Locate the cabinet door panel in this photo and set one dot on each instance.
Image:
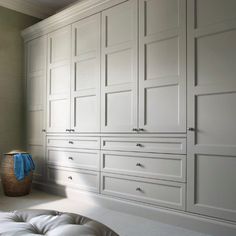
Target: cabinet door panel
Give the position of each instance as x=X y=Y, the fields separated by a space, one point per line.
x=211 y=110
x=85 y=90
x=119 y=65
x=58 y=85
x=162 y=70
x=36 y=101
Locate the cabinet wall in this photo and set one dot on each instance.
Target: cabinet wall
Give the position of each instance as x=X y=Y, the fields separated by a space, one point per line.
x=122 y=85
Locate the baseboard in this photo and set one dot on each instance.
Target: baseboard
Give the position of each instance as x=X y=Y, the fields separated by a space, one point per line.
x=187 y=220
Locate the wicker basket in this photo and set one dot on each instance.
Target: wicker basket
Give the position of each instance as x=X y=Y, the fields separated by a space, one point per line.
x=11 y=186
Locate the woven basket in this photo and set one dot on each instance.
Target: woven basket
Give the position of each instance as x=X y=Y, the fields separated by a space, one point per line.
x=11 y=186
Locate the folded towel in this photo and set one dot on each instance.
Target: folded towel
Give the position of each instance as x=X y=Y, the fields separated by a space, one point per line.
x=23 y=165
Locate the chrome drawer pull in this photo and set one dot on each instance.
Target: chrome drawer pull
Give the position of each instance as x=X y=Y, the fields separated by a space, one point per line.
x=72 y=130
x=139 y=189
x=67 y=130
x=70 y=177
x=70 y=158
x=135 y=129
x=139 y=145
x=141 y=129
x=71 y=142
x=139 y=164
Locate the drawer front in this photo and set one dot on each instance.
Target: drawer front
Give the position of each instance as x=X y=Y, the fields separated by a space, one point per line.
x=86 y=159
x=85 y=180
x=159 y=145
x=159 y=166
x=74 y=142
x=162 y=193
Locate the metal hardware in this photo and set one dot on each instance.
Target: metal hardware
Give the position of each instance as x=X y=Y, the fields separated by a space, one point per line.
x=135 y=129
x=72 y=130
x=141 y=129
x=71 y=142
x=70 y=177
x=139 y=164
x=70 y=158
x=44 y=130
x=138 y=189
x=67 y=130
x=139 y=145
x=191 y=129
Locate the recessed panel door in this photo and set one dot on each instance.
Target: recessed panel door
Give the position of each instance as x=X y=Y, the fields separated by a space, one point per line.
x=162 y=66
x=211 y=145
x=119 y=68
x=58 y=81
x=85 y=86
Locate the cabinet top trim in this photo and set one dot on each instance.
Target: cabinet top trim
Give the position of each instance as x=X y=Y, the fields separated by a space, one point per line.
x=67 y=16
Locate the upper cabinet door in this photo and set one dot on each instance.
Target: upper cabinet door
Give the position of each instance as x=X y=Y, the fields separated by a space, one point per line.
x=119 y=68
x=58 y=81
x=85 y=86
x=211 y=175
x=36 y=56
x=162 y=66
x=36 y=89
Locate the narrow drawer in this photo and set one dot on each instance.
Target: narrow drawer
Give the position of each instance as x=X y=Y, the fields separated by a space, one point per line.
x=159 y=166
x=162 y=193
x=86 y=159
x=159 y=145
x=74 y=142
x=85 y=180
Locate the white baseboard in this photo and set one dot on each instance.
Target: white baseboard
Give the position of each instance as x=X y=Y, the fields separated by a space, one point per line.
x=187 y=220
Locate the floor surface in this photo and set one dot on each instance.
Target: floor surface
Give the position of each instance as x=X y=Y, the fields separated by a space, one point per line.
x=123 y=224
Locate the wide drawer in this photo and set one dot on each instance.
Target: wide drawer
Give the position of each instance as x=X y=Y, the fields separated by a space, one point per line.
x=82 y=179
x=86 y=159
x=157 y=192
x=159 y=166
x=160 y=145
x=74 y=142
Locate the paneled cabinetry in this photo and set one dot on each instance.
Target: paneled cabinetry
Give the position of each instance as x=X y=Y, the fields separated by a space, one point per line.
x=116 y=102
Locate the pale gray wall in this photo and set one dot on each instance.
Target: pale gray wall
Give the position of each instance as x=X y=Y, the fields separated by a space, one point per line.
x=11 y=79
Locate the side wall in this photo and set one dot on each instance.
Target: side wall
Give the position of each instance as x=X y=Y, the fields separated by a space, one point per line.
x=11 y=79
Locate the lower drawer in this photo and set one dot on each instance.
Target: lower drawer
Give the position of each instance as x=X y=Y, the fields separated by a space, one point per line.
x=82 y=179
x=86 y=159
x=159 y=166
x=162 y=193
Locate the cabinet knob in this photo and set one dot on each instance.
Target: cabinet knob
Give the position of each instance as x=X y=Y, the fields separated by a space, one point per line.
x=70 y=177
x=70 y=158
x=72 y=130
x=44 y=130
x=71 y=142
x=67 y=130
x=139 y=189
x=139 y=164
x=191 y=129
x=135 y=129
x=139 y=145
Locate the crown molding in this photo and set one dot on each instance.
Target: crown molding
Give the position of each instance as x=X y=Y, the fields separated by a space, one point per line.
x=28 y=7
x=67 y=16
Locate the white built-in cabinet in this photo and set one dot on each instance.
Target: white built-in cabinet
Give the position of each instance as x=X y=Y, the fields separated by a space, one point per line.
x=36 y=54
x=123 y=82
